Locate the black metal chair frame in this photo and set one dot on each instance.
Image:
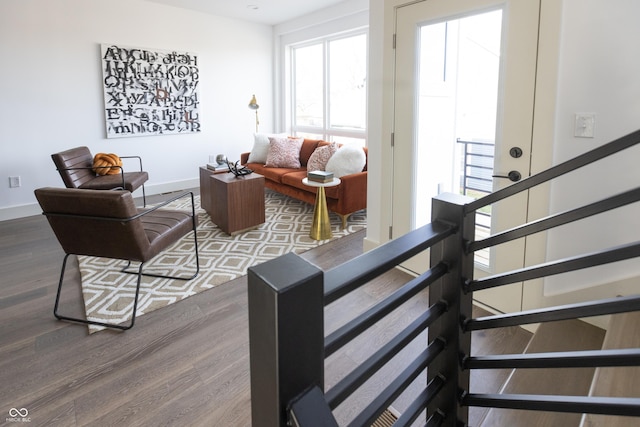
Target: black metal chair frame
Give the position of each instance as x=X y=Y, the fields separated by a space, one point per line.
x=139 y=272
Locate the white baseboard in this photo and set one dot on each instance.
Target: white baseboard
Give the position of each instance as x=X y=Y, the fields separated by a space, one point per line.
x=21 y=211
x=368 y=244
x=31 y=209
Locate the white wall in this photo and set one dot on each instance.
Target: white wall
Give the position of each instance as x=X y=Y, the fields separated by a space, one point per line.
x=597 y=57
x=51 y=95
x=599 y=73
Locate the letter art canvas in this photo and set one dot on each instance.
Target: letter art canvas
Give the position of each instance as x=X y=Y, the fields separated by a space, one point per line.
x=149 y=92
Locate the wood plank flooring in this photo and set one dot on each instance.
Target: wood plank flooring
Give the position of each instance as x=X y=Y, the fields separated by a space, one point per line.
x=186 y=364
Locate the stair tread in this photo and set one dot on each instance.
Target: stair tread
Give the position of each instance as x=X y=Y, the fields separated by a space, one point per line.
x=493 y=341
x=623 y=332
x=566 y=335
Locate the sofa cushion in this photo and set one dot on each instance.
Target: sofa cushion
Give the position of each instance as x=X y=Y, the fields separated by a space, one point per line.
x=284 y=152
x=320 y=157
x=294 y=179
x=308 y=147
x=272 y=174
x=347 y=160
x=260 y=148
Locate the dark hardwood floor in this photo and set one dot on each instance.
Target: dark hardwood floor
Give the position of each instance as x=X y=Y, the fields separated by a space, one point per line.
x=186 y=364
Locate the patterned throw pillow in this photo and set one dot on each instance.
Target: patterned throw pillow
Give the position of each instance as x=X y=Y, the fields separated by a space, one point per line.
x=284 y=153
x=321 y=155
x=260 y=148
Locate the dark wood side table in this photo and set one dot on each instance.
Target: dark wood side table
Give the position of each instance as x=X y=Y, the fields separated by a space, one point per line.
x=234 y=204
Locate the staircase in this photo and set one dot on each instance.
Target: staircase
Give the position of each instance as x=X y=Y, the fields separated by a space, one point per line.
x=623 y=332
x=567 y=335
x=566 y=369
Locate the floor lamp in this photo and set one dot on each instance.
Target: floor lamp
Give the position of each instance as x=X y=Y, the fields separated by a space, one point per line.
x=253 y=104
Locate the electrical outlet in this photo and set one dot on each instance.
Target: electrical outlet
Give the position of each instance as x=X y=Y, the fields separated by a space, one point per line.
x=14 y=182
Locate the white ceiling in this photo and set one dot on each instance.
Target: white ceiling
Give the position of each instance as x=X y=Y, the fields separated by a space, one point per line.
x=270 y=12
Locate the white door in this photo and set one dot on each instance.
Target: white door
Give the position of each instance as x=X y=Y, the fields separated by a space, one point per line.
x=464 y=97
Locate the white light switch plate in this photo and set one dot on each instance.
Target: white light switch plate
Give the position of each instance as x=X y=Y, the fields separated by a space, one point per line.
x=584 y=124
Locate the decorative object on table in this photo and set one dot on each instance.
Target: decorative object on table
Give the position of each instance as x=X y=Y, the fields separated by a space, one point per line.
x=150 y=91
x=215 y=167
x=221 y=164
x=237 y=169
x=253 y=104
x=320 y=176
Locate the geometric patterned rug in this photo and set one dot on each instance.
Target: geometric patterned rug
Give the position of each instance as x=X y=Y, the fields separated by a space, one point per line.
x=108 y=293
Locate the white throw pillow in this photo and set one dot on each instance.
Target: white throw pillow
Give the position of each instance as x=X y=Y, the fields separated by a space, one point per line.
x=347 y=160
x=260 y=148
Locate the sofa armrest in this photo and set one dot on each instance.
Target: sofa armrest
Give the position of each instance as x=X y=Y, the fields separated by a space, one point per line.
x=352 y=193
x=244 y=157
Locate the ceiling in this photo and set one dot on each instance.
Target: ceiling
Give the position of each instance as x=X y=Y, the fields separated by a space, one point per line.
x=270 y=12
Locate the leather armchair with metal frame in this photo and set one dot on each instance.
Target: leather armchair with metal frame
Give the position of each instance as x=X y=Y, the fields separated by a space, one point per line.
x=76 y=169
x=108 y=224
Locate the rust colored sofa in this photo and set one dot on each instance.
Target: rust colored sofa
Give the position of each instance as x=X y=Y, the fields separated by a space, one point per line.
x=344 y=199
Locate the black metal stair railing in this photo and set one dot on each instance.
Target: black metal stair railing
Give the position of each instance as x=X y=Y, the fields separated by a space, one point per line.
x=288 y=345
x=600 y=358
x=289 y=287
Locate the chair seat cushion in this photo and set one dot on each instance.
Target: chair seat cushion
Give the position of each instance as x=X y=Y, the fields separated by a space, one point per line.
x=163 y=227
x=132 y=181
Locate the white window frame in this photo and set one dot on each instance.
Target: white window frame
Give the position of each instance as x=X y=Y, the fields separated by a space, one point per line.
x=326 y=132
x=351 y=18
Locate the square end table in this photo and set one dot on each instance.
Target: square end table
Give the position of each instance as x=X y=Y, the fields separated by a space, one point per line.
x=234 y=204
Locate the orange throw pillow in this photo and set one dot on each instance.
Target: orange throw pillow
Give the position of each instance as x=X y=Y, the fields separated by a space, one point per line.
x=106 y=164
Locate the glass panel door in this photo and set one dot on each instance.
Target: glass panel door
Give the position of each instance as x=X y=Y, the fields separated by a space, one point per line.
x=457 y=107
x=464 y=85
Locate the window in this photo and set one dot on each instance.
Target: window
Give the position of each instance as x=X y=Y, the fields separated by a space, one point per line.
x=328 y=93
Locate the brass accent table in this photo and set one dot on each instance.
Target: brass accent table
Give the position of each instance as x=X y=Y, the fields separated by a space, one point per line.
x=321 y=227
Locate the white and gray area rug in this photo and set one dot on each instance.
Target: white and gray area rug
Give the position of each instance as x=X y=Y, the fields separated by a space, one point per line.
x=108 y=293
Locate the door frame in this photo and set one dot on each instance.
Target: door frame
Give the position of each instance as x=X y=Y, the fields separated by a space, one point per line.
x=382 y=20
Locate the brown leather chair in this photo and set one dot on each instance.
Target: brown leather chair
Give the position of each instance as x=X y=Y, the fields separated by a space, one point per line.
x=76 y=169
x=108 y=224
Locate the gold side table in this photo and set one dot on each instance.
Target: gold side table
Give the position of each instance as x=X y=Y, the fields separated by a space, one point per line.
x=321 y=227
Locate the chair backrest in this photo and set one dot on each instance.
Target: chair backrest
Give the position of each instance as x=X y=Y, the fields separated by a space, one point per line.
x=95 y=222
x=74 y=166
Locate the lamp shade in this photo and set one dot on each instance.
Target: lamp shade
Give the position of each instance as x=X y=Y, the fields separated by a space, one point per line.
x=253 y=104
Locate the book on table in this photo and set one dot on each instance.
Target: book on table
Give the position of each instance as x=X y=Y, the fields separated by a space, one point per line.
x=320 y=176
x=218 y=167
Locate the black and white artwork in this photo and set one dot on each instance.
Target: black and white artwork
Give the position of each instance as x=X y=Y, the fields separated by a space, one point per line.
x=149 y=92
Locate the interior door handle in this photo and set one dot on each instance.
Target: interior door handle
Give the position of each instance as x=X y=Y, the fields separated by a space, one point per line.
x=514 y=176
